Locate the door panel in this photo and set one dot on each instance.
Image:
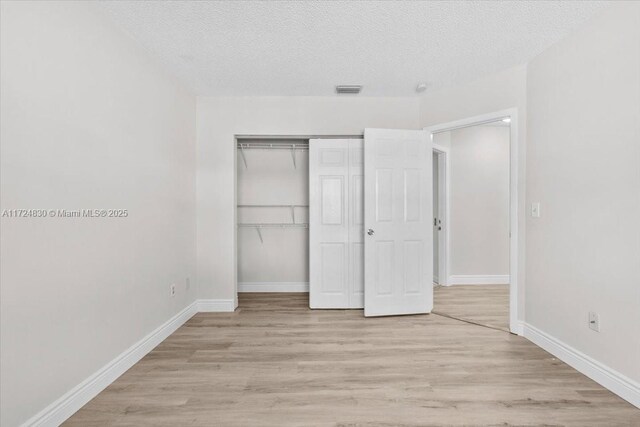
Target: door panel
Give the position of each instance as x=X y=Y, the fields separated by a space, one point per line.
x=332 y=204
x=357 y=274
x=412 y=266
x=385 y=267
x=384 y=195
x=412 y=195
x=398 y=209
x=332 y=264
x=336 y=275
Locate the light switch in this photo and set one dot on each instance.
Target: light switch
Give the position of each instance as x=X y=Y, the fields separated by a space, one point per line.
x=535 y=210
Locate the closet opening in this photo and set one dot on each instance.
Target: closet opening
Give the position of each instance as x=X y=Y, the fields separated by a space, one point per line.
x=272 y=214
x=348 y=227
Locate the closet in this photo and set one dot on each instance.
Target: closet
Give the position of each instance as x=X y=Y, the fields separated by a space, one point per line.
x=272 y=215
x=348 y=220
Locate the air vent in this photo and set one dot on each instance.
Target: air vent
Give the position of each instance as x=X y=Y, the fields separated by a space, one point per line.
x=348 y=89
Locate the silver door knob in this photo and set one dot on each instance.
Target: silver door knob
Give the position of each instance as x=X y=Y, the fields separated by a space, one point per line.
x=370 y=232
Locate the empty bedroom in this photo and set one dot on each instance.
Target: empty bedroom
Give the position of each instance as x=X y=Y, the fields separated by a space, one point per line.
x=319 y=213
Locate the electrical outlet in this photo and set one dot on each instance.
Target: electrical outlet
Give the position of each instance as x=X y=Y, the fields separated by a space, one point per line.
x=535 y=210
x=172 y=290
x=594 y=321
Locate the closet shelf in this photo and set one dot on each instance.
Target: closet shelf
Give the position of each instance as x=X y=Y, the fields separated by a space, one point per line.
x=274 y=225
x=292 y=207
x=259 y=226
x=273 y=206
x=272 y=146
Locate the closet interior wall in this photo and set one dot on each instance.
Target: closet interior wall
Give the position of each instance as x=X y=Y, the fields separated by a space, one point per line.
x=273 y=191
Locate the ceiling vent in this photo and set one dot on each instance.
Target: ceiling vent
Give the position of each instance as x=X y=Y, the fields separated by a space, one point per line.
x=348 y=89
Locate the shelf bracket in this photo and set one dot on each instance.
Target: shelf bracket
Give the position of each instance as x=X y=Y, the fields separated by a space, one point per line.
x=260 y=234
x=293 y=155
x=244 y=159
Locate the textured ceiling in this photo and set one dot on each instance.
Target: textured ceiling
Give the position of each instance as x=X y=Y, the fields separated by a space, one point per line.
x=307 y=47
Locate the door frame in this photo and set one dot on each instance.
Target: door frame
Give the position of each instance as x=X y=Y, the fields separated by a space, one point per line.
x=238 y=137
x=514 y=200
x=444 y=188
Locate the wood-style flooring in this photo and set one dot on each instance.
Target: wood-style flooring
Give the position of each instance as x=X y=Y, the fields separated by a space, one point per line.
x=485 y=304
x=274 y=362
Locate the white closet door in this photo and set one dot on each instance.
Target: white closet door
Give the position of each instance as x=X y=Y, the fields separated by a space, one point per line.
x=335 y=269
x=399 y=235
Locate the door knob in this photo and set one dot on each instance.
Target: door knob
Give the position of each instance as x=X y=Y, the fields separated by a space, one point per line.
x=370 y=232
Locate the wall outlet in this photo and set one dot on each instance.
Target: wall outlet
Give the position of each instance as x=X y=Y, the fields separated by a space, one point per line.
x=172 y=290
x=594 y=321
x=535 y=210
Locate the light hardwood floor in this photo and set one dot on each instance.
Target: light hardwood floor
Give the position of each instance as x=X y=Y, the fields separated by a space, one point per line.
x=274 y=362
x=485 y=304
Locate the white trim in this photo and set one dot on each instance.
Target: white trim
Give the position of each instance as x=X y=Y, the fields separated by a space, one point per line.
x=479 y=279
x=216 y=305
x=69 y=403
x=618 y=383
x=514 y=231
x=273 y=286
x=236 y=139
x=444 y=184
x=61 y=409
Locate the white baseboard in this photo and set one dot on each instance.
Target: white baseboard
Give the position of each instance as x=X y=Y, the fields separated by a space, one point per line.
x=67 y=405
x=618 y=383
x=216 y=305
x=60 y=410
x=273 y=287
x=485 y=279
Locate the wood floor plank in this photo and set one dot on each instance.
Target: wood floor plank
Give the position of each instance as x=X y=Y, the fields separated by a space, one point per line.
x=484 y=304
x=274 y=362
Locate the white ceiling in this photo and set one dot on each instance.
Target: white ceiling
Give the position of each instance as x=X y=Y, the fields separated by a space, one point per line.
x=307 y=47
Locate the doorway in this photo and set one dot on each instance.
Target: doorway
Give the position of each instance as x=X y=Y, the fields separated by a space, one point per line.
x=475 y=219
x=440 y=211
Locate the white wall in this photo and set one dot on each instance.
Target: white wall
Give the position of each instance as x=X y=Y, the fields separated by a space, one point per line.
x=87 y=122
x=583 y=253
x=503 y=90
x=220 y=118
x=479 y=201
x=271 y=179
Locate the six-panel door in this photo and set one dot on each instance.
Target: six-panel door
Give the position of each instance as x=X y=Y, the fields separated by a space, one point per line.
x=398 y=217
x=335 y=223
